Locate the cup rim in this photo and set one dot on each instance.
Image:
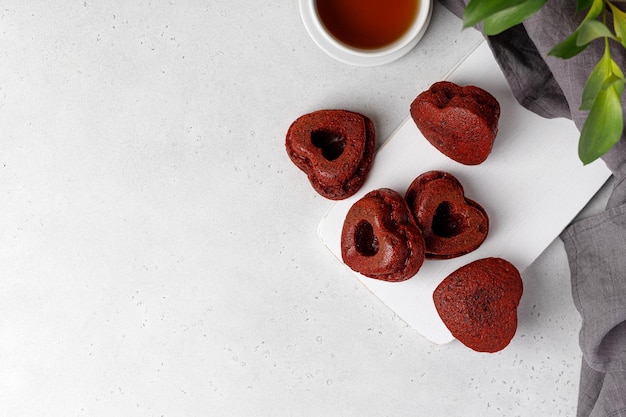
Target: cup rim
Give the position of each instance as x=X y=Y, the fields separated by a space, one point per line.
x=364 y=57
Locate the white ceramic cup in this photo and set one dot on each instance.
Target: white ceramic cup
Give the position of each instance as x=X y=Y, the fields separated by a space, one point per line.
x=365 y=57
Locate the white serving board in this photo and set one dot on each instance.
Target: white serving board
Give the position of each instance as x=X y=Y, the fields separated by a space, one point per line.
x=532 y=186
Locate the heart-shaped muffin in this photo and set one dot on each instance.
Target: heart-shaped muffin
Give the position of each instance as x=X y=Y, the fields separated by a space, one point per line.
x=380 y=239
x=334 y=148
x=478 y=303
x=461 y=122
x=452 y=224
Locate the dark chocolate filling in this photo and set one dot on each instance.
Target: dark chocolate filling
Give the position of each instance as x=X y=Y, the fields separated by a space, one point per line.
x=446 y=223
x=331 y=143
x=366 y=241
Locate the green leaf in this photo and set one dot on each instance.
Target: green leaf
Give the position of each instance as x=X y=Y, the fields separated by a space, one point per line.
x=567 y=48
x=603 y=127
x=617 y=78
x=478 y=10
x=619 y=24
x=597 y=85
x=596 y=7
x=594 y=83
x=590 y=30
x=511 y=16
x=616 y=82
x=583 y=4
x=604 y=74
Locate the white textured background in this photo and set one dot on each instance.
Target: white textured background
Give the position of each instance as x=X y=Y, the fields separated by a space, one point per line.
x=158 y=250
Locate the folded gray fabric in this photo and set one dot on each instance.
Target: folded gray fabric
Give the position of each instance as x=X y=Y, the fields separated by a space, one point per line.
x=596 y=250
x=596 y=246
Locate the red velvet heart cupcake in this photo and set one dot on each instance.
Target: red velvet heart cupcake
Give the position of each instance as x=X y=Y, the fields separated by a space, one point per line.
x=380 y=239
x=452 y=224
x=334 y=148
x=461 y=122
x=478 y=303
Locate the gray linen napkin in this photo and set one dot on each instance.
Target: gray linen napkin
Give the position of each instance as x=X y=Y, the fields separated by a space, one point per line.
x=596 y=246
x=596 y=250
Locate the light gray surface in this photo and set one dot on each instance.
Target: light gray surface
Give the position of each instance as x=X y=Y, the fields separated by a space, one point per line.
x=158 y=250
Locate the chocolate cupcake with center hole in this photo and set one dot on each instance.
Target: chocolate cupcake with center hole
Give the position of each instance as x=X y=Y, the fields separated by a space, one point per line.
x=380 y=239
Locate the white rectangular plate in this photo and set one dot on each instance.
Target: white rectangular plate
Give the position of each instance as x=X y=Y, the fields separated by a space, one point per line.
x=532 y=185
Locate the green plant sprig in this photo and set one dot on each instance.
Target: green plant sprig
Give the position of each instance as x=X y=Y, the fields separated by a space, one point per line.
x=604 y=125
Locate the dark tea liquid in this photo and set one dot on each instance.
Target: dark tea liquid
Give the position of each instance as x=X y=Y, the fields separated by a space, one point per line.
x=367 y=24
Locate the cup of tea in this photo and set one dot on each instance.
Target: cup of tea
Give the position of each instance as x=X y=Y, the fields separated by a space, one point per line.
x=366 y=32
